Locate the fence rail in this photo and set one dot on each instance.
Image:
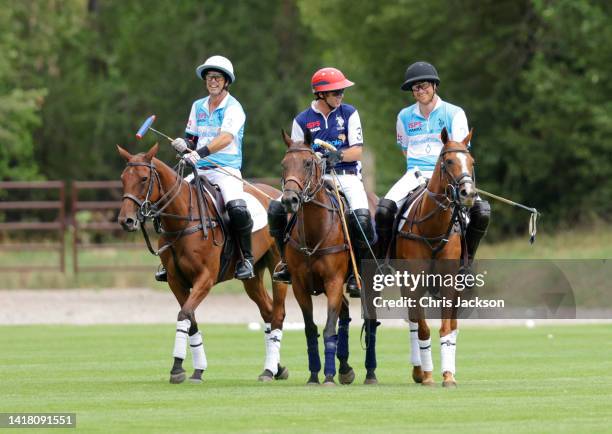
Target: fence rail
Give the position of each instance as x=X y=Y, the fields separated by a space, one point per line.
x=70 y=218
x=58 y=226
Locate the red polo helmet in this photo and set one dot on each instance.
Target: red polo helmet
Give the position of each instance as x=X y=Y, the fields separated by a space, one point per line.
x=327 y=79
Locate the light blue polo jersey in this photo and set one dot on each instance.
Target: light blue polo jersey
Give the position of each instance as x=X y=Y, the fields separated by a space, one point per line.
x=228 y=117
x=420 y=137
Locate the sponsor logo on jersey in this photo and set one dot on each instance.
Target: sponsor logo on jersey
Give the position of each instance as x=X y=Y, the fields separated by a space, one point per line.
x=314 y=130
x=314 y=124
x=340 y=122
x=440 y=123
x=416 y=124
x=202 y=116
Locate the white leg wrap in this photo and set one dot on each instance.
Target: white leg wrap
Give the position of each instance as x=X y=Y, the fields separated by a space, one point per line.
x=197 y=351
x=273 y=344
x=448 y=346
x=425 y=350
x=415 y=353
x=180 y=341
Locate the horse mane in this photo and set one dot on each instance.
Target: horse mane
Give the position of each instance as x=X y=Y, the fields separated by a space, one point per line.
x=300 y=145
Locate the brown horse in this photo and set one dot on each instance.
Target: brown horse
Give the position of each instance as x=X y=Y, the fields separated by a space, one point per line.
x=318 y=258
x=428 y=234
x=191 y=252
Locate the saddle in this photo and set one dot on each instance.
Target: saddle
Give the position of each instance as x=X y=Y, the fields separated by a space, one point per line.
x=331 y=192
x=404 y=215
x=221 y=217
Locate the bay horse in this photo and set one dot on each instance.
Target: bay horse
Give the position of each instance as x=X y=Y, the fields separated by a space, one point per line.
x=427 y=234
x=318 y=259
x=190 y=248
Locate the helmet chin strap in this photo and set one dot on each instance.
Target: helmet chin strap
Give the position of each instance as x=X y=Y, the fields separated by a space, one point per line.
x=324 y=100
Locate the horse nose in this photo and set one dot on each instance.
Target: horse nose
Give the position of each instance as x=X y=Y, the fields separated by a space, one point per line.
x=128 y=224
x=467 y=194
x=291 y=202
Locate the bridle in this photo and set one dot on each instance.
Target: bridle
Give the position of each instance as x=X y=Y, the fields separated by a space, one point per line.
x=449 y=199
x=306 y=192
x=154 y=210
x=312 y=184
x=454 y=184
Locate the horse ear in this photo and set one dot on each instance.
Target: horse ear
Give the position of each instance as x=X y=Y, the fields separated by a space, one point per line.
x=444 y=136
x=286 y=138
x=308 y=137
x=124 y=154
x=152 y=152
x=468 y=138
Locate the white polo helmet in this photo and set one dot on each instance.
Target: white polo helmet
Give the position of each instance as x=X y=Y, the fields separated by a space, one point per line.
x=218 y=63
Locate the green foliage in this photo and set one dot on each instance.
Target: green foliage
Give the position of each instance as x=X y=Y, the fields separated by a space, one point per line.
x=78 y=76
x=532 y=77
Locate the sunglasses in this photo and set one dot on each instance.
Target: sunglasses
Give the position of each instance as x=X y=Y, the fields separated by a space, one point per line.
x=214 y=77
x=421 y=86
x=336 y=92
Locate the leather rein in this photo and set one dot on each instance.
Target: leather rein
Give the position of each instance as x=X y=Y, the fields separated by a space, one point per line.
x=149 y=210
x=306 y=193
x=444 y=201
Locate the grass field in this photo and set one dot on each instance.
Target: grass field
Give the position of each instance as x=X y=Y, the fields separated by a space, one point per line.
x=511 y=379
x=594 y=243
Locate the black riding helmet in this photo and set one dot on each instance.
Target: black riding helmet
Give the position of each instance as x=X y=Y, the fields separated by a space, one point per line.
x=420 y=71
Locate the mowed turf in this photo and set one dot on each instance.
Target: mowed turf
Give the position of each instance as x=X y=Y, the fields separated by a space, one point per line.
x=511 y=379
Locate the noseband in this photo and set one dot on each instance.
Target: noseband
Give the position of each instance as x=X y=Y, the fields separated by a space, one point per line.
x=306 y=192
x=146 y=208
x=454 y=184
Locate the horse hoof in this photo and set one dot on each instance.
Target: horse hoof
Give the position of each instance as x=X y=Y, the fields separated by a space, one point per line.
x=370 y=378
x=196 y=377
x=428 y=383
x=266 y=376
x=282 y=374
x=313 y=380
x=448 y=380
x=417 y=374
x=329 y=381
x=177 y=377
x=348 y=377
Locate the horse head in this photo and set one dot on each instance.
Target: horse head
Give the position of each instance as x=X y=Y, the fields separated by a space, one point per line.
x=302 y=173
x=456 y=167
x=141 y=187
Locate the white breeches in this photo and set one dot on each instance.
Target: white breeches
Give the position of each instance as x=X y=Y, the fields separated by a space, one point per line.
x=353 y=189
x=405 y=185
x=231 y=188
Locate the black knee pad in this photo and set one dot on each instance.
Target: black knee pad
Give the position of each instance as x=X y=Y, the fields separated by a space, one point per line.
x=480 y=215
x=239 y=215
x=385 y=212
x=277 y=218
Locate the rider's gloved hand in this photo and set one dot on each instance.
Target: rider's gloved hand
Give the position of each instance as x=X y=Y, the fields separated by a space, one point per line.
x=180 y=145
x=191 y=157
x=334 y=157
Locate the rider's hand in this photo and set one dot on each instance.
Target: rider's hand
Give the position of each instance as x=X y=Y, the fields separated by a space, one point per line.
x=333 y=158
x=191 y=157
x=180 y=145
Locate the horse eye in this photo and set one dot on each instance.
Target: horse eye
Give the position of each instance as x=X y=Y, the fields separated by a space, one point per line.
x=144 y=179
x=308 y=163
x=449 y=162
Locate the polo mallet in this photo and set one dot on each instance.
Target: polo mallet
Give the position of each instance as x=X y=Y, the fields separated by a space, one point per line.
x=533 y=219
x=146 y=126
x=344 y=225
